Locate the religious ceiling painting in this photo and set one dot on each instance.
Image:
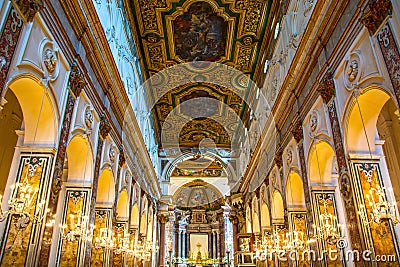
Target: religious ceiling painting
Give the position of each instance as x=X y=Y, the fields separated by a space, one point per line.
x=216 y=114
x=199 y=34
x=197 y=194
x=198 y=168
x=170 y=32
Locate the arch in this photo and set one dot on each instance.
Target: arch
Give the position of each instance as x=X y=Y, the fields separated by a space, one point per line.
x=265 y=216
x=106 y=189
x=10 y=120
x=39 y=111
x=135 y=215
x=80 y=160
x=195 y=194
x=123 y=205
x=278 y=210
x=171 y=165
x=295 y=191
x=371 y=103
x=321 y=162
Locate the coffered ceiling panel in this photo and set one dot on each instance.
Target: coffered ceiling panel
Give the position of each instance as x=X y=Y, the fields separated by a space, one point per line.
x=169 y=32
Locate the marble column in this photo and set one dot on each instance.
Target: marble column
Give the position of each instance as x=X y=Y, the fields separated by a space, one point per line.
x=327 y=92
x=297 y=132
x=235 y=221
x=179 y=249
x=217 y=245
x=187 y=244
x=183 y=245
x=163 y=219
x=76 y=83
x=104 y=130
x=210 y=255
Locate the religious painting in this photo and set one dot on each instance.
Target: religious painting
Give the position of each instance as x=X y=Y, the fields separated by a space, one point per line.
x=197 y=194
x=203 y=107
x=200 y=34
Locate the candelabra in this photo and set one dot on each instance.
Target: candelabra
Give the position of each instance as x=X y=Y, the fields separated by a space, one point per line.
x=329 y=228
x=105 y=240
x=78 y=229
x=381 y=209
x=144 y=250
x=22 y=205
x=122 y=243
x=295 y=240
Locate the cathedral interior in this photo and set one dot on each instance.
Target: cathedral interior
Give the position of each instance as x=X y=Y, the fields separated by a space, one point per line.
x=291 y=157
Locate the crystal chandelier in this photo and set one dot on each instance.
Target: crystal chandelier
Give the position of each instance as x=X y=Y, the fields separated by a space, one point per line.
x=329 y=228
x=78 y=229
x=144 y=250
x=105 y=240
x=381 y=210
x=122 y=243
x=295 y=240
x=23 y=204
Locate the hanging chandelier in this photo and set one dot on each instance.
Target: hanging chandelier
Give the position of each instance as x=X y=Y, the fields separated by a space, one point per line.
x=295 y=240
x=329 y=228
x=381 y=209
x=22 y=205
x=78 y=229
x=122 y=243
x=142 y=251
x=105 y=240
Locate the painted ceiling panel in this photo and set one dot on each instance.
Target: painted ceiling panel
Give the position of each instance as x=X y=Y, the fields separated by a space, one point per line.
x=171 y=32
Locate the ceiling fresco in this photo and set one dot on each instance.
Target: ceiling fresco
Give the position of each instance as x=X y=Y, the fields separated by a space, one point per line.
x=169 y=32
x=206 y=119
x=197 y=194
x=198 y=168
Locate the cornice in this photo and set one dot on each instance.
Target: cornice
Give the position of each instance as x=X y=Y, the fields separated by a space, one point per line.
x=304 y=62
x=89 y=40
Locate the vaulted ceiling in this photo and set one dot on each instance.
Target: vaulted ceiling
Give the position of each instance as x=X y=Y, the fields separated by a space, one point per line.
x=237 y=33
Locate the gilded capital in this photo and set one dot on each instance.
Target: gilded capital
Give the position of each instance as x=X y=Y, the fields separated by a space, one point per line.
x=327 y=87
x=105 y=126
x=76 y=79
x=29 y=8
x=374 y=13
x=297 y=131
x=163 y=217
x=121 y=159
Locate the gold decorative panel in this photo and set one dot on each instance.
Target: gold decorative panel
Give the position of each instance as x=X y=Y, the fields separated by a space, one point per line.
x=71 y=247
x=100 y=255
x=369 y=176
x=120 y=228
x=298 y=223
x=325 y=202
x=22 y=232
